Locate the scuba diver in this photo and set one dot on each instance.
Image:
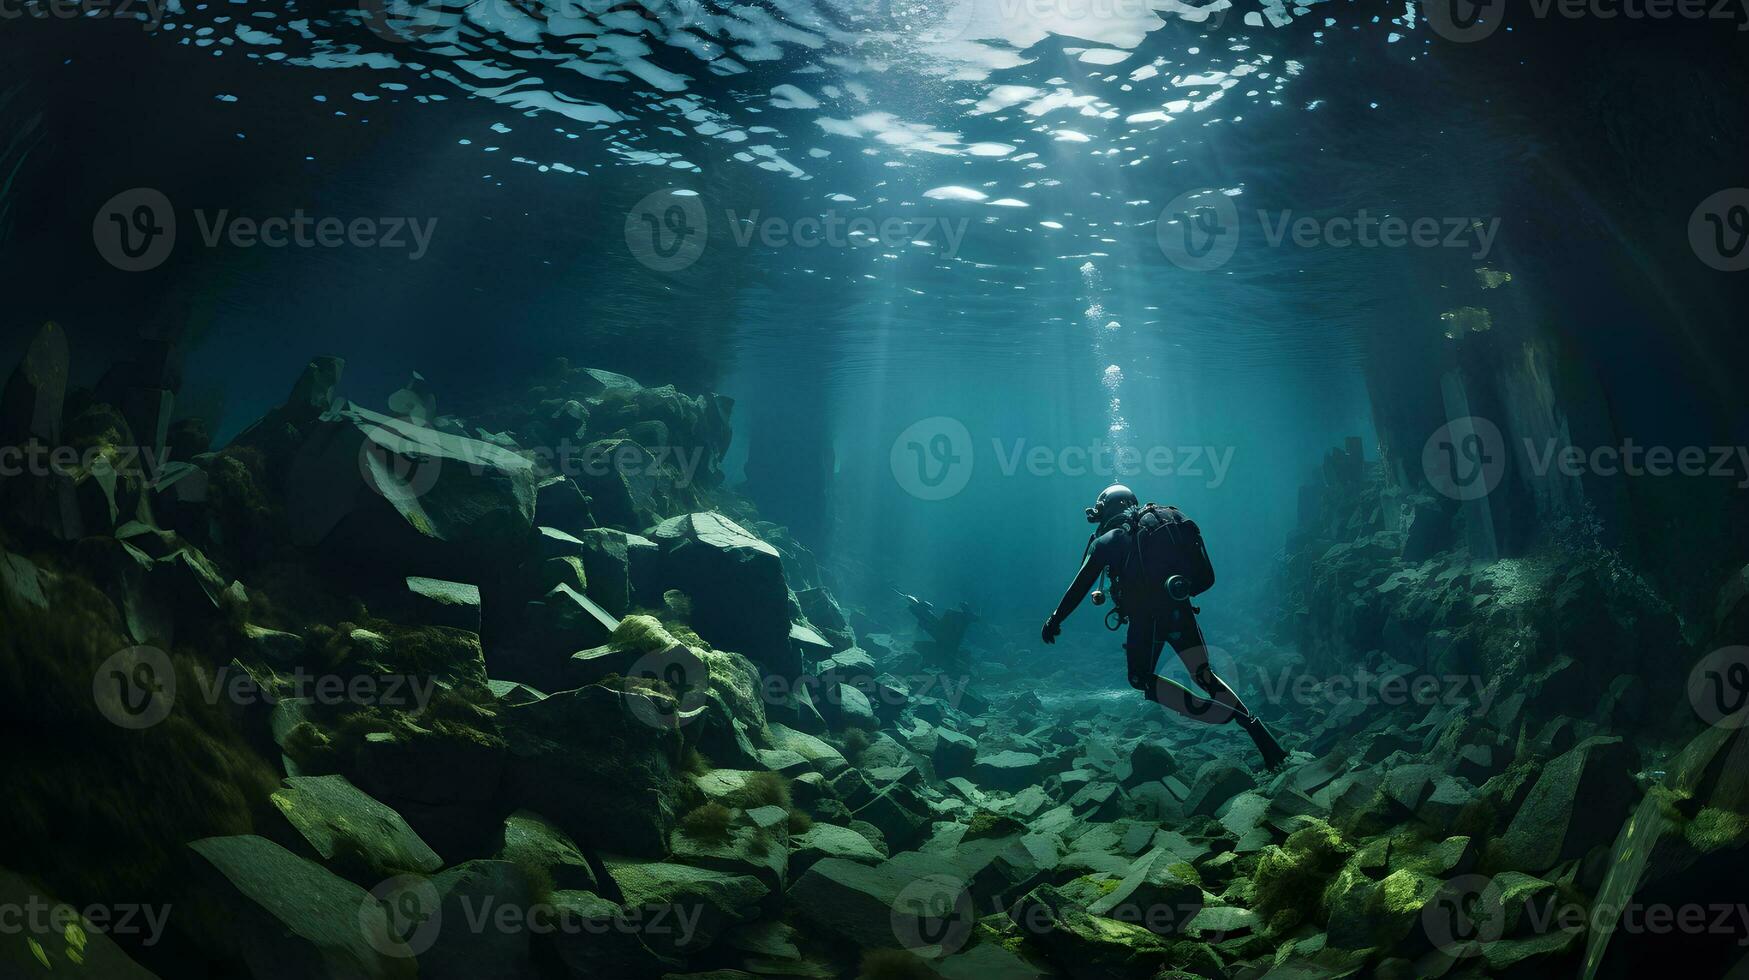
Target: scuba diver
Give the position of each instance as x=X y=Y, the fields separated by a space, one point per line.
x=1157 y=564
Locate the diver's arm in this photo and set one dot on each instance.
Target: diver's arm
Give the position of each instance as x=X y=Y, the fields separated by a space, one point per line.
x=1078 y=590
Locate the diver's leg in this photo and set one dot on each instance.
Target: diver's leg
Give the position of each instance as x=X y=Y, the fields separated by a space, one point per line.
x=1185 y=635
x=1187 y=640
x=1145 y=643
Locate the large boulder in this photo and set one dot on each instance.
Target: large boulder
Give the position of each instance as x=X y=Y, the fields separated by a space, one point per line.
x=683 y=908
x=736 y=583
x=1152 y=896
x=386 y=492
x=1576 y=804
x=874 y=906
x=1084 y=945
x=1686 y=847
x=600 y=763
x=1007 y=770
x=287 y=917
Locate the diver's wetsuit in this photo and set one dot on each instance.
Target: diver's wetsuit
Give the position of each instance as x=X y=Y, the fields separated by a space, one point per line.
x=1157 y=619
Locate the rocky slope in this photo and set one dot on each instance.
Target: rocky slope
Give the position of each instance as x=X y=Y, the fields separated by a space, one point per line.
x=528 y=694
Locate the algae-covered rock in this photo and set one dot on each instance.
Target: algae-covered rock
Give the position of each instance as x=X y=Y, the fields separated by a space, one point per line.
x=1084 y=945
x=824 y=840
x=683 y=909
x=1382 y=914
x=534 y=844
x=1576 y=804
x=1152 y=895
x=593 y=762
x=350 y=830
x=56 y=940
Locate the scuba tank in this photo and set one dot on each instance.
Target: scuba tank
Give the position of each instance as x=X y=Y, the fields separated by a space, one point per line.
x=1167 y=553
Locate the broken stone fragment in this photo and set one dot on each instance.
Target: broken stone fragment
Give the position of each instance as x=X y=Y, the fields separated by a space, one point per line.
x=443 y=603
x=360 y=836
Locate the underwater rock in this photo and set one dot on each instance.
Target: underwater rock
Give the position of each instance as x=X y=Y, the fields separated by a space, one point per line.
x=595 y=937
x=441 y=603
x=56 y=940
x=955 y=754
x=1378 y=914
x=1576 y=803
x=1216 y=783
x=1006 y=770
x=606 y=556
x=827 y=760
x=286 y=916
x=558 y=502
x=1085 y=946
x=529 y=840
x=666 y=895
x=736 y=581
x=824 y=840
x=1686 y=846
x=466 y=944
x=350 y=830
x=897 y=812
x=741 y=849
x=592 y=761
x=384 y=492
x=824 y=613
x=860 y=903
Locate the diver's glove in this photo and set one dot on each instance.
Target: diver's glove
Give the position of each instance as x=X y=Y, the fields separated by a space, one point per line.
x=1052 y=630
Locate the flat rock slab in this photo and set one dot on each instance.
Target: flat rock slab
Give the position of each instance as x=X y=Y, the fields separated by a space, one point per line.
x=341 y=822
x=290 y=917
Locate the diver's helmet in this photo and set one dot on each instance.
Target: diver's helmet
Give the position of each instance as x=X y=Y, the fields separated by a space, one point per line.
x=1114 y=500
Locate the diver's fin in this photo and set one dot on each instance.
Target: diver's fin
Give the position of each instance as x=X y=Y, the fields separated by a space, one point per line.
x=1273 y=754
